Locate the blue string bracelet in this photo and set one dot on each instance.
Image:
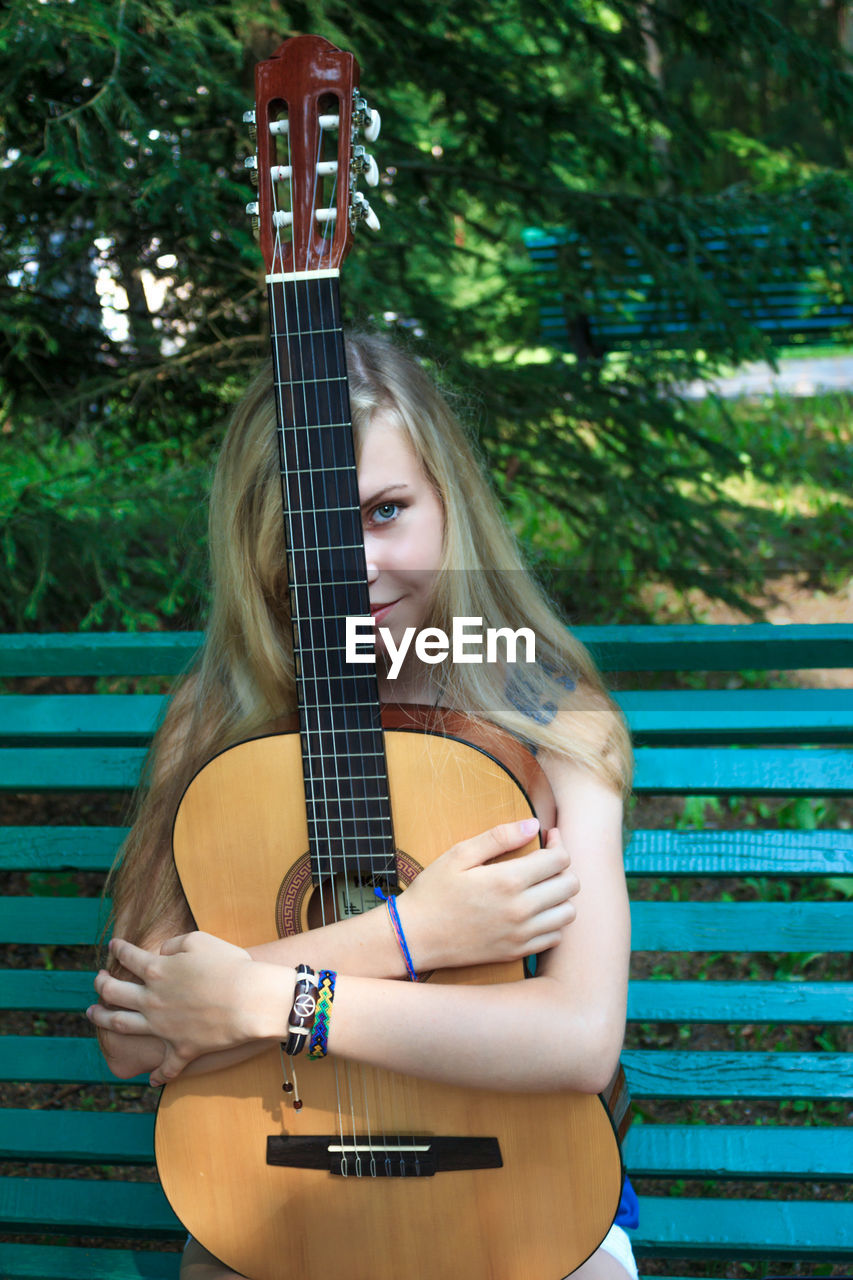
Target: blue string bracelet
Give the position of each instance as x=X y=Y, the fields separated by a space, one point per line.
x=393 y=915
x=319 y=1043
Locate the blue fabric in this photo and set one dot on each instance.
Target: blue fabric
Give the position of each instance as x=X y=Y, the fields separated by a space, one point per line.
x=628 y=1213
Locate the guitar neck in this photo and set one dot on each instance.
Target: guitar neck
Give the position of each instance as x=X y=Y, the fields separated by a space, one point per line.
x=346 y=780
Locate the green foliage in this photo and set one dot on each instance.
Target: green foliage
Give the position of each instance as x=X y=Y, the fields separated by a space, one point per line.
x=107 y=534
x=122 y=148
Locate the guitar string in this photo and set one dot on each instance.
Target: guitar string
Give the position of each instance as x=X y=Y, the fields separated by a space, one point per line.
x=366 y=750
x=339 y=416
x=296 y=291
x=357 y=586
x=308 y=763
x=365 y=735
x=337 y=508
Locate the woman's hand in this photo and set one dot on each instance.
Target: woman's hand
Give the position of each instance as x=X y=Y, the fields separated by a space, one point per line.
x=199 y=995
x=466 y=909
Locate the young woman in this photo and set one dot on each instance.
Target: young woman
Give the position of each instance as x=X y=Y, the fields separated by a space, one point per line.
x=173 y=1000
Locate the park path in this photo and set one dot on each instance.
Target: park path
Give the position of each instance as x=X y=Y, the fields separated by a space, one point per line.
x=795 y=376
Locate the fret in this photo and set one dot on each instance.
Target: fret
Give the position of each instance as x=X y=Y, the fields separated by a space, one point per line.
x=346 y=546
x=307 y=382
x=346 y=782
x=356 y=755
x=318 y=426
x=308 y=450
x=344 y=466
x=311 y=333
x=324 y=407
x=347 y=732
x=335 y=706
x=365 y=820
x=348 y=507
x=334 y=582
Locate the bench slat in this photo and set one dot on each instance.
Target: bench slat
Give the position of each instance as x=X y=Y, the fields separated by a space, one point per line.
x=738 y=715
x=109 y=653
x=61 y=1262
x=651 y=1073
x=648 y=1001
x=666 y=771
x=697 y=647
x=692 y=1228
x=80 y=719
x=649 y=853
x=745 y=771
x=78 y=1137
x=59 y=848
x=656 y=926
x=86 y=1206
x=654 y=1073
x=770 y=1152
x=46 y=989
x=741 y=853
x=645 y=647
x=660 y=716
x=722 y=1001
x=741 y=926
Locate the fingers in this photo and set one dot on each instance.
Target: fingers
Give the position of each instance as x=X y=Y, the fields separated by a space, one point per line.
x=181 y=942
x=123 y=1021
x=497 y=840
x=135 y=959
x=169 y=1069
x=115 y=991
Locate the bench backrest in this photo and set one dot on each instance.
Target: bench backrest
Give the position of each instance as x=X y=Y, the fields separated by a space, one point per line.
x=736 y=1079
x=792 y=303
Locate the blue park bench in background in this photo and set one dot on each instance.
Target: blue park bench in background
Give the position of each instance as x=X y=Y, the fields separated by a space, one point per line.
x=78 y=1200
x=790 y=303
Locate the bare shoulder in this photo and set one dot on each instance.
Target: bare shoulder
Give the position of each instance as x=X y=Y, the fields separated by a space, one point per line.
x=587 y=799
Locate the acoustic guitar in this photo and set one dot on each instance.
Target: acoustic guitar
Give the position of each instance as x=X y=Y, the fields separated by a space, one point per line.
x=378 y=1176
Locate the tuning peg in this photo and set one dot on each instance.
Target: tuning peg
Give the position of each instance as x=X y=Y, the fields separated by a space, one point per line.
x=364 y=117
x=363 y=162
x=249 y=119
x=251 y=163
x=374 y=124
x=360 y=211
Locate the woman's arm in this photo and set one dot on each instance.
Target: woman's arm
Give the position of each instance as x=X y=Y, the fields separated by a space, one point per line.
x=204 y=996
x=462 y=910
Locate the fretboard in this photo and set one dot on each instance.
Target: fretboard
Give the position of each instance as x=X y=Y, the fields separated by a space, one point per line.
x=346 y=779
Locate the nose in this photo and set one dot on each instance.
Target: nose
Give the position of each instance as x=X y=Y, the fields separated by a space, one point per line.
x=372 y=566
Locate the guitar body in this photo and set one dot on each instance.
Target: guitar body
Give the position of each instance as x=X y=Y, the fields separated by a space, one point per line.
x=497 y=1185
x=240 y=848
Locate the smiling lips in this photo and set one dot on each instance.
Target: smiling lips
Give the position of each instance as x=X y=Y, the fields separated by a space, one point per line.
x=378 y=611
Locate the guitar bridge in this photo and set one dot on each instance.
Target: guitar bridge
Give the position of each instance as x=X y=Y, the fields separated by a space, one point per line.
x=363 y=1157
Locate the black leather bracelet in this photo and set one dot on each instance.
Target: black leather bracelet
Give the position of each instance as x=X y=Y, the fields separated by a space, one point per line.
x=301 y=1018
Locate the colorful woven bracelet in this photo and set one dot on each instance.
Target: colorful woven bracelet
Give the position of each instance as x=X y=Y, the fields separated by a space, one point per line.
x=302 y=1013
x=394 y=917
x=319 y=1043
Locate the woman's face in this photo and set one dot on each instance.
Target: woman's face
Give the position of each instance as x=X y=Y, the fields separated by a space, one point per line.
x=403 y=523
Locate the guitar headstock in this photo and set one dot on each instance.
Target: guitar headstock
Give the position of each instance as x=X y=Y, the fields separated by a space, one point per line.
x=308 y=115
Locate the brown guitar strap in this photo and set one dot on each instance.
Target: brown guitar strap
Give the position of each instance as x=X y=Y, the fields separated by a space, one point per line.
x=617 y=1099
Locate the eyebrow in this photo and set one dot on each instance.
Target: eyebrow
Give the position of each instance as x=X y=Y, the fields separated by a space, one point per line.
x=381 y=493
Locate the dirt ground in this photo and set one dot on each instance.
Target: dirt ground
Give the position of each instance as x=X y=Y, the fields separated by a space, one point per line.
x=788 y=600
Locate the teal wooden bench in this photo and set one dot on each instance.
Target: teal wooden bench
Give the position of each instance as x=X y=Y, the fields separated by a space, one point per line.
x=792 y=304
x=739 y=1150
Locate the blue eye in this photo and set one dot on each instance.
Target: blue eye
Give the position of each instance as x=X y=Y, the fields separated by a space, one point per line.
x=386 y=512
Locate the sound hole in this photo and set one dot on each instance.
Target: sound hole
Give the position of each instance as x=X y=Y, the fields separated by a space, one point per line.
x=302 y=905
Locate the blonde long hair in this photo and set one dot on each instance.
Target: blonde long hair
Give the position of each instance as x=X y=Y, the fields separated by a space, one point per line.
x=244 y=677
